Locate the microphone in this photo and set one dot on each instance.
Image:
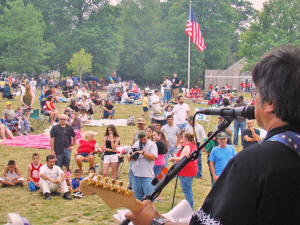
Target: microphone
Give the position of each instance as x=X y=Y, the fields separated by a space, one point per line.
x=234 y=112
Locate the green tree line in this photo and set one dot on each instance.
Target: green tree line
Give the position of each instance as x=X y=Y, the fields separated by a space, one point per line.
x=142 y=40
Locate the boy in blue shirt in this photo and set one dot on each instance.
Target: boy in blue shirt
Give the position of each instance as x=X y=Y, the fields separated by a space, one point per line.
x=220 y=156
x=75 y=184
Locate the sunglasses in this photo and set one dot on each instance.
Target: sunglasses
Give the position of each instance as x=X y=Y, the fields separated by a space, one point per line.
x=62 y=119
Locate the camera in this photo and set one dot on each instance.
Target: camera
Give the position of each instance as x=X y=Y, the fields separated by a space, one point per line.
x=134 y=156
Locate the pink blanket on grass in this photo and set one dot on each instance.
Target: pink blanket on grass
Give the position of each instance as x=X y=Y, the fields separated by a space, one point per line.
x=33 y=141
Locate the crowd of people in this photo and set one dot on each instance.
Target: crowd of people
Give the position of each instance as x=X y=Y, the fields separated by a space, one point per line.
x=168 y=138
x=259 y=185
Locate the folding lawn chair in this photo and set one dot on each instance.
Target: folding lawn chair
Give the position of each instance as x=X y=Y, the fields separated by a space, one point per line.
x=12 y=125
x=74 y=165
x=38 y=120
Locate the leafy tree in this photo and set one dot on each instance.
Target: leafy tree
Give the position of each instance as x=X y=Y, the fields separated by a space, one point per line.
x=172 y=47
x=21 y=39
x=100 y=35
x=140 y=22
x=276 y=25
x=80 y=63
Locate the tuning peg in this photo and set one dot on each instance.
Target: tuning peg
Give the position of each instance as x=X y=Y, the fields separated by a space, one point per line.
x=98 y=182
x=106 y=183
x=119 y=188
x=90 y=179
x=112 y=186
x=128 y=191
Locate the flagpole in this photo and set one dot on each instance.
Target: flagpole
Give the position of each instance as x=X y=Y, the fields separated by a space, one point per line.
x=189 y=52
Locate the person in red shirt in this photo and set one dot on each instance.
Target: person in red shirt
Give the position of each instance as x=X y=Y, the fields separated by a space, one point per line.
x=33 y=175
x=86 y=150
x=50 y=109
x=242 y=85
x=187 y=174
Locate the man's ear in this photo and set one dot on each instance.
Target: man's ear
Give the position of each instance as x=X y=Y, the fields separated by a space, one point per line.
x=269 y=107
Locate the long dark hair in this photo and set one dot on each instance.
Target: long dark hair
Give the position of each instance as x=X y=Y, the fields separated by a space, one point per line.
x=106 y=103
x=114 y=130
x=163 y=138
x=76 y=118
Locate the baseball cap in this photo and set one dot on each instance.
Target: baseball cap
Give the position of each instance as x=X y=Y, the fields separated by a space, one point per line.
x=141 y=134
x=141 y=120
x=222 y=135
x=8 y=103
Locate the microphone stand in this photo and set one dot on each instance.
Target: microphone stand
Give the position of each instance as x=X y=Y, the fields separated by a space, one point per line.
x=174 y=170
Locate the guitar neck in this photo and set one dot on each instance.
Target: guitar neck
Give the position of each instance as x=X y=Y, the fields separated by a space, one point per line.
x=112 y=192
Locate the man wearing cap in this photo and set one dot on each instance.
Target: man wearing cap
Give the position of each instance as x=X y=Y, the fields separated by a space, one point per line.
x=141 y=127
x=144 y=153
x=141 y=123
x=200 y=134
x=9 y=114
x=220 y=155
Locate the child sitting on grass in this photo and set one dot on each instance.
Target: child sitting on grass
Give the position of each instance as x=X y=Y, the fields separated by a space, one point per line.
x=11 y=175
x=75 y=184
x=33 y=175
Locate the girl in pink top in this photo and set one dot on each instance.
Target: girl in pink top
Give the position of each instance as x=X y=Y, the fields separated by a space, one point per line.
x=162 y=147
x=161 y=143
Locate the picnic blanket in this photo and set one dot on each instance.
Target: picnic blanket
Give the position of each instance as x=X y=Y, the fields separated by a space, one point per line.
x=30 y=141
x=41 y=141
x=106 y=122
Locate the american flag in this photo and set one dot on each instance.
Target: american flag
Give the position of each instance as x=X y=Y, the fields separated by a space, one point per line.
x=193 y=30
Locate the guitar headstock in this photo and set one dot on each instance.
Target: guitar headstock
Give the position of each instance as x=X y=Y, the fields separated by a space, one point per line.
x=113 y=192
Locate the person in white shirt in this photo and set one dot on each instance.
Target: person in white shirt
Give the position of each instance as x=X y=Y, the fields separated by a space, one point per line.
x=167 y=84
x=144 y=153
x=51 y=178
x=181 y=113
x=200 y=134
x=32 y=85
x=82 y=92
x=70 y=81
x=125 y=99
x=155 y=103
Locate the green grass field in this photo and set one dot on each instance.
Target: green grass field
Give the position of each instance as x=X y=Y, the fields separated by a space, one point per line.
x=90 y=209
